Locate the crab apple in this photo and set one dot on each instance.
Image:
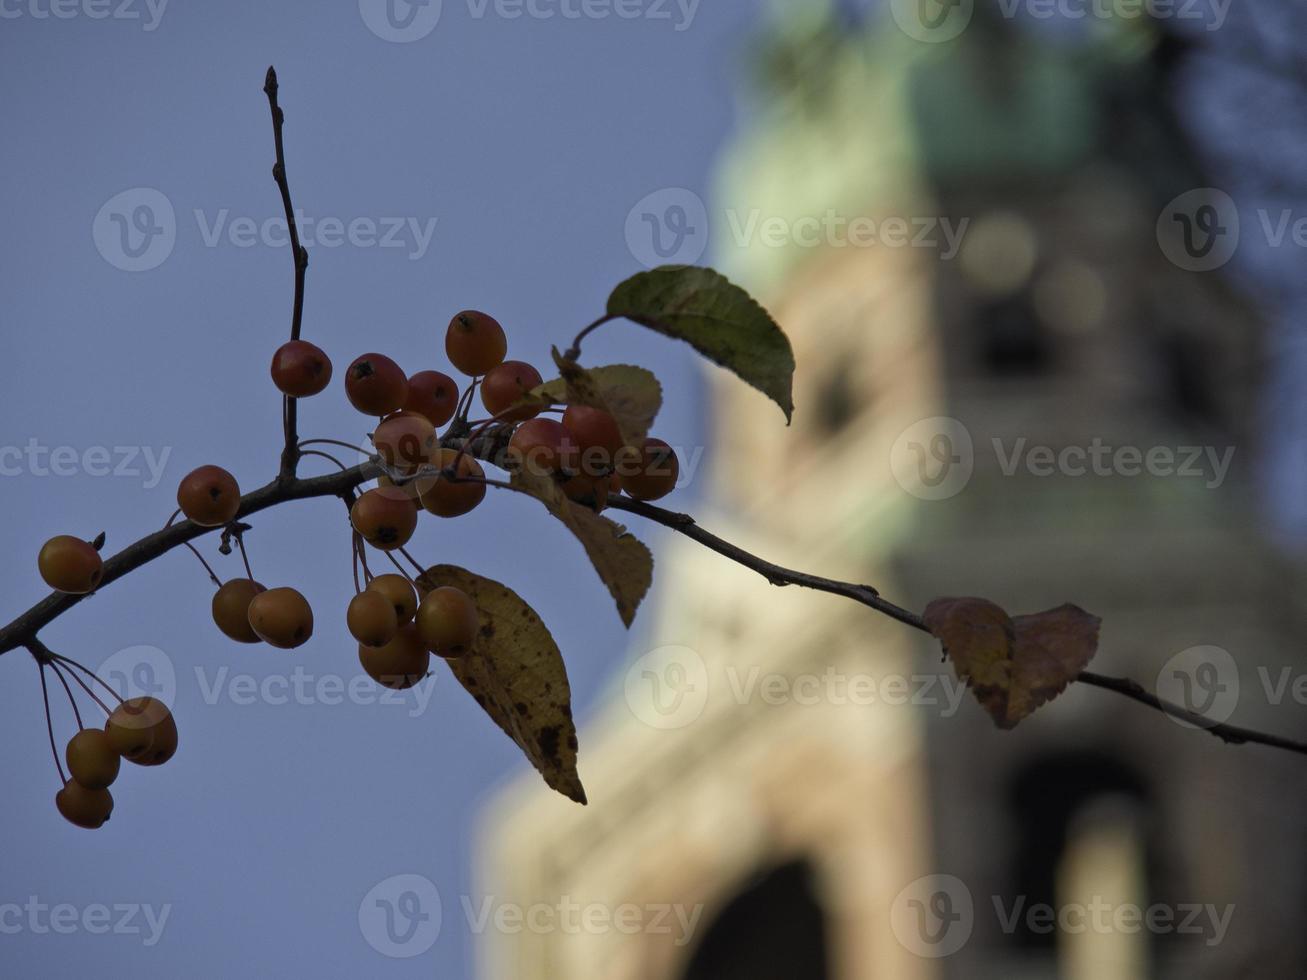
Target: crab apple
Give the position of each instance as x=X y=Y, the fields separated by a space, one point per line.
x=650 y=472
x=70 y=564
x=209 y=496
x=93 y=762
x=82 y=807
x=371 y=619
x=591 y=491
x=399 y=664
x=375 y=385
x=543 y=447
x=447 y=621
x=282 y=618
x=405 y=441
x=136 y=725
x=300 y=369
x=475 y=342
x=432 y=394
x=596 y=435
x=398 y=592
x=231 y=609
x=506 y=384
x=447 y=498
x=385 y=522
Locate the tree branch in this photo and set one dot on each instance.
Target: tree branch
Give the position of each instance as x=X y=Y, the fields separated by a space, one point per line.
x=867 y=596
x=300 y=256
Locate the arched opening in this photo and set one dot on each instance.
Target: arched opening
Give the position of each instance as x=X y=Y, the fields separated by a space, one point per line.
x=772 y=929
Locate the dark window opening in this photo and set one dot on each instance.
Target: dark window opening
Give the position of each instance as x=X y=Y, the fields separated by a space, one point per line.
x=773 y=929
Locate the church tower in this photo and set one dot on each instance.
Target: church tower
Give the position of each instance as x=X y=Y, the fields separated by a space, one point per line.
x=964 y=250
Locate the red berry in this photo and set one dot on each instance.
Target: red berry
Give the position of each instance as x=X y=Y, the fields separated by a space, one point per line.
x=649 y=472
x=282 y=617
x=375 y=385
x=82 y=807
x=209 y=496
x=399 y=664
x=475 y=342
x=432 y=394
x=506 y=384
x=447 y=498
x=447 y=621
x=231 y=609
x=596 y=435
x=542 y=447
x=300 y=369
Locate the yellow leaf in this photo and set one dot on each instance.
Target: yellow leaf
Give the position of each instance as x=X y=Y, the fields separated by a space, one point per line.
x=517 y=675
x=1013 y=665
x=622 y=561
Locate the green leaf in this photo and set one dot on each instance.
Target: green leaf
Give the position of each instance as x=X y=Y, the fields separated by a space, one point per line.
x=517 y=675
x=622 y=561
x=715 y=317
x=632 y=395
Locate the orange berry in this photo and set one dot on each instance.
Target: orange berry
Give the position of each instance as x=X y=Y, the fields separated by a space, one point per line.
x=209 y=496
x=70 y=564
x=447 y=621
x=282 y=618
x=399 y=664
x=371 y=618
x=82 y=807
x=405 y=441
x=506 y=384
x=386 y=522
x=300 y=369
x=398 y=592
x=448 y=498
x=596 y=435
x=92 y=760
x=432 y=394
x=231 y=609
x=475 y=342
x=650 y=472
x=375 y=385
x=140 y=729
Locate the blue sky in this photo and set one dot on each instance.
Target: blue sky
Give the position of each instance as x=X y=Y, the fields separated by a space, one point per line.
x=528 y=141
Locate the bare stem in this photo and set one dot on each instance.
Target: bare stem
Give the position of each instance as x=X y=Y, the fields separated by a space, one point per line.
x=300 y=256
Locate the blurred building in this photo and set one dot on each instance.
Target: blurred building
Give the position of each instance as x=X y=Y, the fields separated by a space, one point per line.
x=798 y=782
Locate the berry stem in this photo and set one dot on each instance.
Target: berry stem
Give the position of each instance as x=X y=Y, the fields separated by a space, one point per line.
x=400 y=568
x=49 y=725
x=77 y=679
x=91 y=674
x=573 y=352
x=319 y=452
x=245 y=559
x=54 y=665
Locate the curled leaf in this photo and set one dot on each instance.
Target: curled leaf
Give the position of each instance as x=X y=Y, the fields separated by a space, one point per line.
x=517 y=675
x=715 y=317
x=1013 y=664
x=624 y=564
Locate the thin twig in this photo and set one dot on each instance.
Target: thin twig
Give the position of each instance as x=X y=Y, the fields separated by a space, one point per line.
x=865 y=594
x=212 y=575
x=300 y=256
x=573 y=352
